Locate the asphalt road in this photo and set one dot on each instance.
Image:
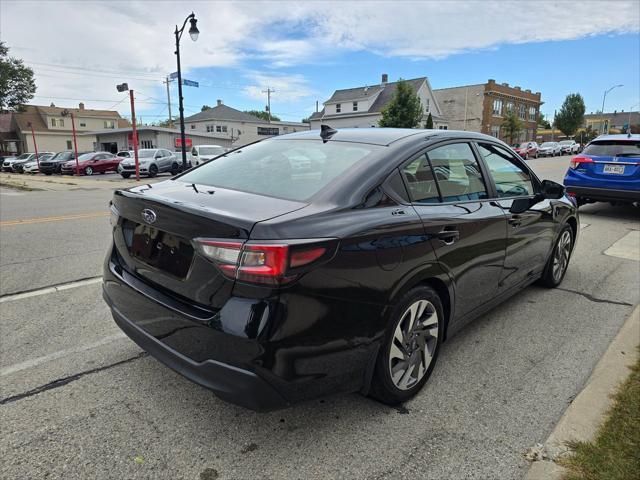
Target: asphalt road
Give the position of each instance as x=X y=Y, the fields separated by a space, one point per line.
x=80 y=400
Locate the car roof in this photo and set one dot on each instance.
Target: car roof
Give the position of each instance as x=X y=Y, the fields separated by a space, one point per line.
x=381 y=136
x=619 y=136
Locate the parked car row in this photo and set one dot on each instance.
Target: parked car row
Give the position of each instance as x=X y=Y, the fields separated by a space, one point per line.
x=529 y=150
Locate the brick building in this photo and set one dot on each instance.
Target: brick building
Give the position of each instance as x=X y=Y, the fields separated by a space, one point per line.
x=481 y=108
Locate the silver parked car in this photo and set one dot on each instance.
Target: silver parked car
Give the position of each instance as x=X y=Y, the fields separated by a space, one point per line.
x=550 y=149
x=569 y=147
x=152 y=162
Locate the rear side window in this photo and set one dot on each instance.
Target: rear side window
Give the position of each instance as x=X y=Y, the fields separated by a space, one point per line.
x=613 y=148
x=420 y=181
x=288 y=169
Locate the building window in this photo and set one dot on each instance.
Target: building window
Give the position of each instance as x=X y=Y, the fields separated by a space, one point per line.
x=221 y=128
x=53 y=122
x=146 y=144
x=267 y=131
x=109 y=124
x=427 y=107
x=497 y=108
x=286 y=129
x=61 y=122
x=355 y=106
x=508 y=107
x=83 y=124
x=69 y=146
x=338 y=108
x=495 y=131
x=193 y=127
x=532 y=114
x=443 y=127
x=522 y=112
x=210 y=128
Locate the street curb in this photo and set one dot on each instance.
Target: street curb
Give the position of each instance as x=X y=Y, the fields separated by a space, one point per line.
x=581 y=420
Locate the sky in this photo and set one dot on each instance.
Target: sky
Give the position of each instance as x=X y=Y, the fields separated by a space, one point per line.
x=304 y=51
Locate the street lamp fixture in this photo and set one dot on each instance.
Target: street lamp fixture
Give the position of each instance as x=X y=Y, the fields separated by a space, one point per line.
x=193 y=33
x=604 y=97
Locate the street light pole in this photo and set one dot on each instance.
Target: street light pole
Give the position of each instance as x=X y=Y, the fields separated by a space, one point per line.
x=35 y=145
x=193 y=32
x=604 y=97
x=67 y=113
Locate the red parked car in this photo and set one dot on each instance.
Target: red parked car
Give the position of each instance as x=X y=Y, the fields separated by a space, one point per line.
x=93 y=162
x=527 y=150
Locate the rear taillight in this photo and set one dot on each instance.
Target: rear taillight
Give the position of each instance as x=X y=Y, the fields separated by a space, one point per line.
x=268 y=263
x=576 y=161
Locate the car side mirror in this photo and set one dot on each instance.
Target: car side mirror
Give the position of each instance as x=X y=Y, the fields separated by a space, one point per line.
x=552 y=190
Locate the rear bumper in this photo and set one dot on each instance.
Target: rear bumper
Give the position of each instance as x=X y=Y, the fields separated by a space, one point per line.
x=230 y=383
x=604 y=194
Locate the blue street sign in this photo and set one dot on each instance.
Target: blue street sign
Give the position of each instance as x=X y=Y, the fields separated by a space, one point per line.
x=190 y=83
x=173 y=75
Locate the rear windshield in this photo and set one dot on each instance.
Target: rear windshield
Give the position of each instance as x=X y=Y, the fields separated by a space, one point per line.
x=289 y=169
x=613 y=148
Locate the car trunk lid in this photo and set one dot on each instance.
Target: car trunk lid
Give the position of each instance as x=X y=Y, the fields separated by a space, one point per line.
x=158 y=223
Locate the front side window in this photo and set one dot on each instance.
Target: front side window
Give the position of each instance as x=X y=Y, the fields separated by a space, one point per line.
x=511 y=179
x=289 y=169
x=457 y=173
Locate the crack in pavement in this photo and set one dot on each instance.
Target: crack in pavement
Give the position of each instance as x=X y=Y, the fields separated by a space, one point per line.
x=61 y=382
x=49 y=288
x=594 y=299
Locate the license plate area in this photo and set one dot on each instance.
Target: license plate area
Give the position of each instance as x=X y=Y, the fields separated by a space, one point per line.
x=157 y=248
x=615 y=169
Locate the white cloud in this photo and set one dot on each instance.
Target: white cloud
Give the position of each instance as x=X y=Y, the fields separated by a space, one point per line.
x=116 y=41
x=287 y=88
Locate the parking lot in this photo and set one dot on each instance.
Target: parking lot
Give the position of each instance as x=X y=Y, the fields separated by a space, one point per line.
x=80 y=400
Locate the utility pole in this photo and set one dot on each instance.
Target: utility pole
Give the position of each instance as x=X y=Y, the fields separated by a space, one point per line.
x=134 y=132
x=268 y=91
x=169 y=102
x=35 y=145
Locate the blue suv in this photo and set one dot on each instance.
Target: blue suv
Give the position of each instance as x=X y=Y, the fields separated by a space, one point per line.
x=607 y=170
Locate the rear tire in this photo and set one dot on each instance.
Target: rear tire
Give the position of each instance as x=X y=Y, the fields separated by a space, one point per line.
x=175 y=169
x=410 y=348
x=558 y=262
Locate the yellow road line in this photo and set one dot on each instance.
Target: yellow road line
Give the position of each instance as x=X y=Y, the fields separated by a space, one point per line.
x=77 y=216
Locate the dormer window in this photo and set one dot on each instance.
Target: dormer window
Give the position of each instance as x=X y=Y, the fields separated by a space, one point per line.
x=355 y=106
x=338 y=108
x=53 y=122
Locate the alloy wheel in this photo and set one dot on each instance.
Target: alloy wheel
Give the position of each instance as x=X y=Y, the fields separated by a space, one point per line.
x=414 y=343
x=561 y=256
x=88 y=171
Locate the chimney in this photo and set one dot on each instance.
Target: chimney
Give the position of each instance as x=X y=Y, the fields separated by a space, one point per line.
x=219 y=102
x=385 y=79
x=528 y=91
x=505 y=84
x=81 y=106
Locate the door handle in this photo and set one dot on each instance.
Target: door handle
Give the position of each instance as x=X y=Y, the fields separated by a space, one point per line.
x=515 y=221
x=448 y=237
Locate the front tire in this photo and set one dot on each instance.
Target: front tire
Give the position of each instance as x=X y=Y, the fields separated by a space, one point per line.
x=153 y=171
x=558 y=263
x=125 y=175
x=88 y=171
x=410 y=349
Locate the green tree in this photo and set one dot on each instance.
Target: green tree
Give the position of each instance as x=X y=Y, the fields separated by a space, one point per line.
x=17 y=85
x=429 y=124
x=542 y=121
x=571 y=114
x=262 y=115
x=306 y=120
x=164 y=123
x=205 y=107
x=404 y=110
x=511 y=125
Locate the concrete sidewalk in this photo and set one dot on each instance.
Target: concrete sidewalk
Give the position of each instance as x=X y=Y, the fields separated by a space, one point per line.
x=581 y=420
x=64 y=183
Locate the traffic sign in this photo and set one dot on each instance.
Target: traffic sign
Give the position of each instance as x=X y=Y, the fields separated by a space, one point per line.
x=190 y=83
x=173 y=75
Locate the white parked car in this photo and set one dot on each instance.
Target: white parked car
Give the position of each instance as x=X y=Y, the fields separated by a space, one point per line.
x=203 y=153
x=32 y=166
x=550 y=149
x=152 y=161
x=569 y=147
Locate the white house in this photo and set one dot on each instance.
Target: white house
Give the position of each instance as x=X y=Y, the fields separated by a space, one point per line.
x=362 y=106
x=239 y=128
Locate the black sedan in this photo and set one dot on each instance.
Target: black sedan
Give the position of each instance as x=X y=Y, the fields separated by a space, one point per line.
x=272 y=283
